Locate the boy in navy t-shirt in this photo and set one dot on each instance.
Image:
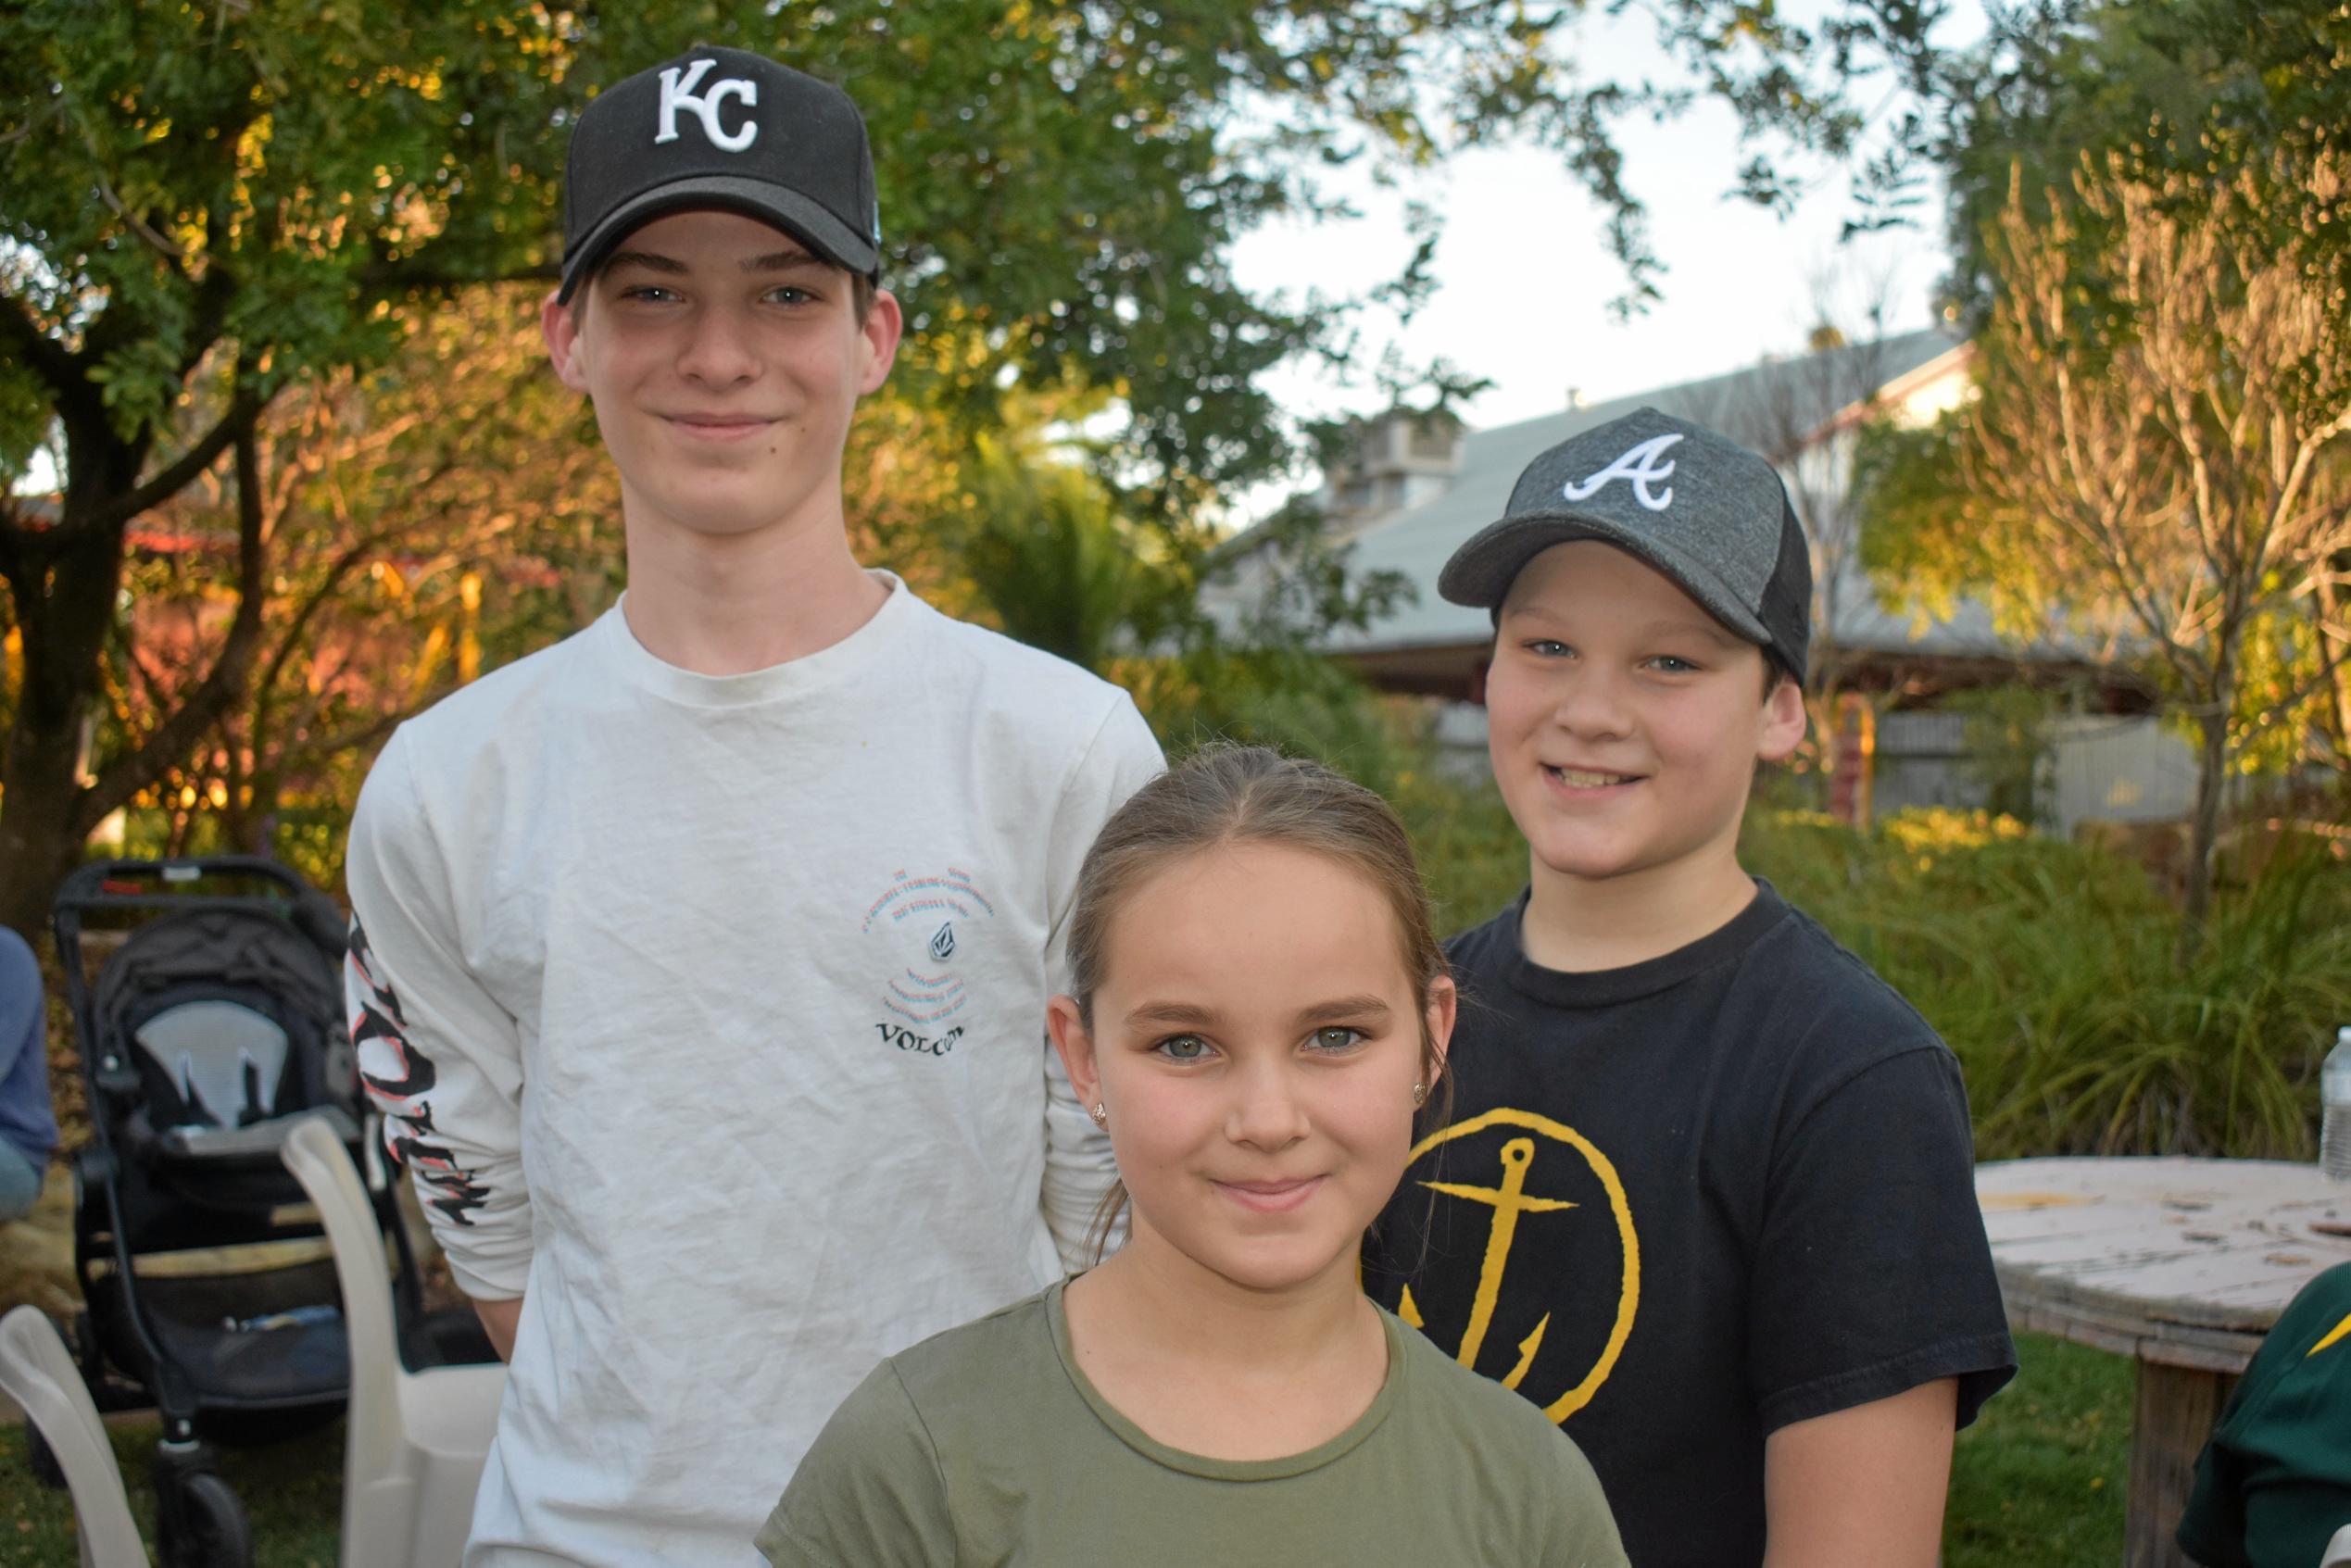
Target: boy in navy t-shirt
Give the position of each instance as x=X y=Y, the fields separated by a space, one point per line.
x=1707 y=1192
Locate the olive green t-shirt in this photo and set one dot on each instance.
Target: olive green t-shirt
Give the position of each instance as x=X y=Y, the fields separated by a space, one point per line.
x=986 y=1446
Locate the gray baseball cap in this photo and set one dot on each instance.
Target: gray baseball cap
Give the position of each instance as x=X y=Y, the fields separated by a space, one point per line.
x=1698 y=506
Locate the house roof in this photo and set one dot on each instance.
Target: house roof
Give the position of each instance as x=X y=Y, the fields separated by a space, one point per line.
x=1810 y=393
x=1810 y=398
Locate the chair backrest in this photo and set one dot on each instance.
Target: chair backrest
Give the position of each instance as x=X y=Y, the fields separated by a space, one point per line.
x=2338 y=1550
x=315 y=1155
x=38 y=1374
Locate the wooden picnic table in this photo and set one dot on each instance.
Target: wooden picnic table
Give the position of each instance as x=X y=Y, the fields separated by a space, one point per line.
x=2181 y=1264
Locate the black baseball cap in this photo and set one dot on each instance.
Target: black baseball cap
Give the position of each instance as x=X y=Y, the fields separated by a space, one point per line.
x=720 y=128
x=1698 y=506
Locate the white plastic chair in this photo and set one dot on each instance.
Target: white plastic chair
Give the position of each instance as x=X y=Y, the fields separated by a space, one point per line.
x=38 y=1374
x=2338 y=1550
x=414 y=1441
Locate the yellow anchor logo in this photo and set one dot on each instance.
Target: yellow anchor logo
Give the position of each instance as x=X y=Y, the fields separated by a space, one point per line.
x=1509 y=1200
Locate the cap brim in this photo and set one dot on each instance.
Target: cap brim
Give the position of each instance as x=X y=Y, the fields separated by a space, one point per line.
x=1481 y=573
x=806 y=220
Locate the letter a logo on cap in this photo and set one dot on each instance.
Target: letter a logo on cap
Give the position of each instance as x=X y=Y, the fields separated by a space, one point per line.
x=678 y=95
x=1639 y=466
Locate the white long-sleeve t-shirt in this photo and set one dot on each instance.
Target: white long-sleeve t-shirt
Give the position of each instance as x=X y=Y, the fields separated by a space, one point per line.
x=708 y=1013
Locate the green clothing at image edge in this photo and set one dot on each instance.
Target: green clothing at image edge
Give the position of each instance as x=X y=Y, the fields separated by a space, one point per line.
x=987 y=1446
x=2274 y=1484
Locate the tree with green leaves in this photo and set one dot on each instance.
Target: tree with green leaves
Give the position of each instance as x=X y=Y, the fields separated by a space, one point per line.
x=2161 y=441
x=2150 y=227
x=426 y=520
x=202 y=206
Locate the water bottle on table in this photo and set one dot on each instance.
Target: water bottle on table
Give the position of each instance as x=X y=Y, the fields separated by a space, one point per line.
x=2335 y=1094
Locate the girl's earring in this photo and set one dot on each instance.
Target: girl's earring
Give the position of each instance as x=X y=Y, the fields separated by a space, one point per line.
x=1420 y=1096
x=1101 y=1117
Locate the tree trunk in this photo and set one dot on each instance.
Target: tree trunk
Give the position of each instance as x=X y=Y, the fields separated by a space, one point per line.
x=2212 y=778
x=2337 y=665
x=66 y=580
x=62 y=615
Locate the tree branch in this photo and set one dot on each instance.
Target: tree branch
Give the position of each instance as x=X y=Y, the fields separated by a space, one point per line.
x=235 y=427
x=171 y=741
x=213 y=297
x=367 y=734
x=337 y=571
x=55 y=364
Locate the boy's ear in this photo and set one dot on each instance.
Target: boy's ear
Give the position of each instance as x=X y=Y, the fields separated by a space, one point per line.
x=1077 y=1048
x=559 y=325
x=883 y=326
x=1784 y=721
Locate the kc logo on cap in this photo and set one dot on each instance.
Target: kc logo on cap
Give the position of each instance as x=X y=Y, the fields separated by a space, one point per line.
x=677 y=93
x=721 y=129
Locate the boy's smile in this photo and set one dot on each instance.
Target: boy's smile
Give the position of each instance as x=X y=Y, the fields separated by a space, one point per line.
x=1624 y=722
x=1579 y=779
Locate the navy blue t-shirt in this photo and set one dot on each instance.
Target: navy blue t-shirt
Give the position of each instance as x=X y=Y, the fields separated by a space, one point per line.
x=1684 y=1203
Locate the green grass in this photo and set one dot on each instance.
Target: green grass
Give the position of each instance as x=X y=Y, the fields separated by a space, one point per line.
x=2037 y=1481
x=292 y=1490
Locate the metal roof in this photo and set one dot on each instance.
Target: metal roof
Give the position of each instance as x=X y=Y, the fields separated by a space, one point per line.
x=1418 y=540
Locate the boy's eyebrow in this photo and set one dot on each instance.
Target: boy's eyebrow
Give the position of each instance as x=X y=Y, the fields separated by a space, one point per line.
x=781 y=261
x=652 y=262
x=1703 y=625
x=1713 y=631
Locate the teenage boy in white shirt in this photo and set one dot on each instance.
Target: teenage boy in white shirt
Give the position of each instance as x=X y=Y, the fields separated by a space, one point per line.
x=699 y=962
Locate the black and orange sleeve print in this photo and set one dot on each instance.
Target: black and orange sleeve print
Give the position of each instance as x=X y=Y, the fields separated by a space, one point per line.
x=400 y=1079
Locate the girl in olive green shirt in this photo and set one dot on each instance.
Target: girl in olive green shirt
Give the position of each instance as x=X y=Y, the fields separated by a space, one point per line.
x=1256 y=1009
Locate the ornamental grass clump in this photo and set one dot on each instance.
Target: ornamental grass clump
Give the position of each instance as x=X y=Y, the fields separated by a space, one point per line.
x=2052 y=969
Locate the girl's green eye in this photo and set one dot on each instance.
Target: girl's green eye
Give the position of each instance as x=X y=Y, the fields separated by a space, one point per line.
x=1182 y=1048
x=1337 y=1037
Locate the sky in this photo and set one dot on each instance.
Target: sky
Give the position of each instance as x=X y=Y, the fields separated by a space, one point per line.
x=1525 y=279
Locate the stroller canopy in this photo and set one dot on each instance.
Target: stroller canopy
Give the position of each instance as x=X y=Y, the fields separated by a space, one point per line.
x=232 y=1016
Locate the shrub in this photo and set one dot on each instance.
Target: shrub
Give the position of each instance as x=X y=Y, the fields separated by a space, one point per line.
x=2049 y=967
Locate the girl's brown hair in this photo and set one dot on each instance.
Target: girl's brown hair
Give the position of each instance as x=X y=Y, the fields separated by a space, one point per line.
x=1223 y=795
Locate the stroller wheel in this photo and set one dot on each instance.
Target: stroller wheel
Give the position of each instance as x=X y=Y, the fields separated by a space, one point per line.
x=41 y=1458
x=200 y=1523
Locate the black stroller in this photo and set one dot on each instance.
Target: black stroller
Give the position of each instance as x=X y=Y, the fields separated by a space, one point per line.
x=215 y=1024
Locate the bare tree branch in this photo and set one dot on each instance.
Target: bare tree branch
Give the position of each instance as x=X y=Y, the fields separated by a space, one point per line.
x=225 y=682
x=234 y=427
